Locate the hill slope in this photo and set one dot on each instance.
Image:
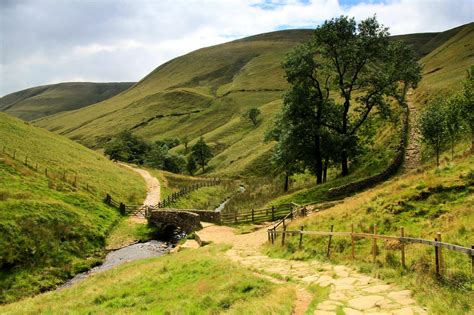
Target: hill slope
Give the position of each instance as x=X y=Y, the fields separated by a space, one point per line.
x=50 y=227
x=40 y=101
x=206 y=92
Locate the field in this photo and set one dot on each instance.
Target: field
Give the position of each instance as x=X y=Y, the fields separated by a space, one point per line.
x=53 y=227
x=40 y=101
x=197 y=282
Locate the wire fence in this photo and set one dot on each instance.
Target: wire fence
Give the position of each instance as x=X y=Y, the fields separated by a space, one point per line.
x=66 y=176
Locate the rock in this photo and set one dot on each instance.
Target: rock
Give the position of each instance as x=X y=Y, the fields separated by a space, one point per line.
x=319 y=312
x=309 y=279
x=344 y=281
x=396 y=295
x=404 y=311
x=366 y=302
x=377 y=288
x=351 y=311
x=327 y=306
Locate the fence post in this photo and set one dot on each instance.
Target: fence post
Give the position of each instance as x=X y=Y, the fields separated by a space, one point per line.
x=268 y=234
x=253 y=215
x=14 y=154
x=440 y=252
x=283 y=235
x=472 y=260
x=75 y=181
x=122 y=208
x=87 y=186
x=46 y=172
x=301 y=237
x=437 y=259
x=235 y=217
x=352 y=241
x=272 y=236
x=329 y=243
x=26 y=160
x=403 y=247
x=36 y=167
x=273 y=213
x=108 y=199
x=374 y=246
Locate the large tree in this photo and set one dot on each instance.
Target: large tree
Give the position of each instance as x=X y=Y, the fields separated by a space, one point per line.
x=201 y=153
x=337 y=80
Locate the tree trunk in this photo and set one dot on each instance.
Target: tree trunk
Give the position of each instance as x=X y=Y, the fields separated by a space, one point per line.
x=287 y=179
x=318 y=161
x=325 y=170
x=437 y=156
x=345 y=168
x=472 y=142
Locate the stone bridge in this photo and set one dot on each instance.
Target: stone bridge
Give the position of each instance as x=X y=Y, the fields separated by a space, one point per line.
x=186 y=219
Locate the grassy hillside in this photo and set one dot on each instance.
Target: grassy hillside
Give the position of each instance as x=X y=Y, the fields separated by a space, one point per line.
x=189 y=282
x=424 y=203
x=445 y=67
x=40 y=101
x=205 y=93
x=52 y=228
x=202 y=93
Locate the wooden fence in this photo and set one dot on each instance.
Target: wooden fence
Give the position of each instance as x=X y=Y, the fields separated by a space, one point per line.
x=62 y=175
x=402 y=242
x=135 y=209
x=184 y=191
x=257 y=215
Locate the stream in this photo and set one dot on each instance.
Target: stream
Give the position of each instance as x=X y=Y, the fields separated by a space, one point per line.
x=222 y=205
x=123 y=255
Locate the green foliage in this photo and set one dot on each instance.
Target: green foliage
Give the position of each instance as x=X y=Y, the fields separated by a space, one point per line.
x=343 y=58
x=130 y=148
x=252 y=114
x=201 y=153
x=191 y=165
x=127 y=147
x=443 y=122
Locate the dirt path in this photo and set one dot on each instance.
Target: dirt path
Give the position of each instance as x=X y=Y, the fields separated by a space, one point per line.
x=413 y=153
x=153 y=189
x=350 y=291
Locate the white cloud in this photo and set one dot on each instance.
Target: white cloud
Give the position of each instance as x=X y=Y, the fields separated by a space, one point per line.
x=45 y=41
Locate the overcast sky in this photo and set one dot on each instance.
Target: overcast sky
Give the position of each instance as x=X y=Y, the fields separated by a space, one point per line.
x=51 y=41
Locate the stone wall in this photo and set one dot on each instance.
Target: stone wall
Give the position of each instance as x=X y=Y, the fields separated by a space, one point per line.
x=371 y=181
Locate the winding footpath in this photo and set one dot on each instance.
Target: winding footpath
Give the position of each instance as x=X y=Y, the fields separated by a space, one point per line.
x=350 y=291
x=153 y=195
x=413 y=152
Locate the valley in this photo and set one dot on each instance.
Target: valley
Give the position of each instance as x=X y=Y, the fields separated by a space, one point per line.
x=85 y=174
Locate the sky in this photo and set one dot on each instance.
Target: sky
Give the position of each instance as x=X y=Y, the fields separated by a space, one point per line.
x=51 y=41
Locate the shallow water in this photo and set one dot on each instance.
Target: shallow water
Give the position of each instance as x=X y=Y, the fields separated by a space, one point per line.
x=117 y=257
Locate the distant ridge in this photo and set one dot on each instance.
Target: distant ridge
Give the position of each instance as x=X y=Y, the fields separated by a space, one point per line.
x=40 y=101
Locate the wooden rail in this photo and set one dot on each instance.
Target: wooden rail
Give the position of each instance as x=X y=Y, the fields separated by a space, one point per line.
x=437 y=243
x=184 y=191
x=256 y=215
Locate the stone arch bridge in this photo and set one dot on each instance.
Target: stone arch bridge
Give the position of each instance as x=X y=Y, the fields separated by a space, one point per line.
x=187 y=219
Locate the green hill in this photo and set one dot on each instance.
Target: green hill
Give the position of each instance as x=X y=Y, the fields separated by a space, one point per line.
x=205 y=93
x=53 y=226
x=445 y=67
x=40 y=101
